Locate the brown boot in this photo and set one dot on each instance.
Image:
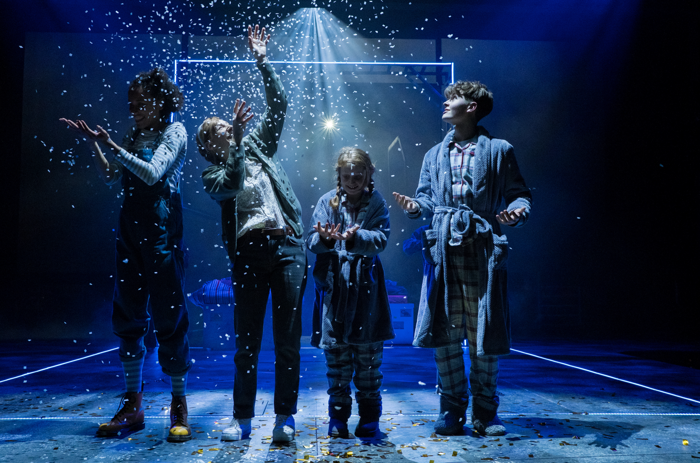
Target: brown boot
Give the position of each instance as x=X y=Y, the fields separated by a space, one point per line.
x=179 y=429
x=128 y=418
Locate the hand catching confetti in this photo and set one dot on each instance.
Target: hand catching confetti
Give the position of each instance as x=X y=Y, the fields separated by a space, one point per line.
x=81 y=126
x=406 y=203
x=510 y=217
x=257 y=42
x=242 y=116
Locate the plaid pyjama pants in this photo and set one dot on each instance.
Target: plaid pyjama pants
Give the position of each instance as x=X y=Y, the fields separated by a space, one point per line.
x=364 y=360
x=462 y=286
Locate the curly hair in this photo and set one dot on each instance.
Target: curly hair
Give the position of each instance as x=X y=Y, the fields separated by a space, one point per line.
x=472 y=91
x=158 y=84
x=351 y=156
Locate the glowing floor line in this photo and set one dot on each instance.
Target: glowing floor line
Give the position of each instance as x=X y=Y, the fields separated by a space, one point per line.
x=59 y=365
x=607 y=376
x=514 y=350
x=300 y=417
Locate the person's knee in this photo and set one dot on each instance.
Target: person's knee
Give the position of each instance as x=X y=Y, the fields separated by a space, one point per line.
x=170 y=329
x=131 y=349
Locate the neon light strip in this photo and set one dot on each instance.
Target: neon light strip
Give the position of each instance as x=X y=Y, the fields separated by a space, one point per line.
x=607 y=376
x=407 y=415
x=60 y=364
x=353 y=63
x=528 y=413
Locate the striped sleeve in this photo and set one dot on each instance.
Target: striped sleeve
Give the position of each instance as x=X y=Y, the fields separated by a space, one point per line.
x=173 y=140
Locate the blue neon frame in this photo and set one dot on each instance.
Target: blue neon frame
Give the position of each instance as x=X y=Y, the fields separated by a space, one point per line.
x=347 y=63
x=352 y=63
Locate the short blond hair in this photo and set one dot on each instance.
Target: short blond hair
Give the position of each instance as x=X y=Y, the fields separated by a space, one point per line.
x=472 y=91
x=204 y=133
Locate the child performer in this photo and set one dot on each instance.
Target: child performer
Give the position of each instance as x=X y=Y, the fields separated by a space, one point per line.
x=150 y=258
x=463 y=182
x=352 y=318
x=262 y=229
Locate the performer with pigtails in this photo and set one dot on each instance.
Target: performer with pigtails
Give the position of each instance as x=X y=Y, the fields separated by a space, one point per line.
x=352 y=318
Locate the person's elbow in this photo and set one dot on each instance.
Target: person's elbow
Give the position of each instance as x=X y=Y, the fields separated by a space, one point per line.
x=109 y=177
x=151 y=180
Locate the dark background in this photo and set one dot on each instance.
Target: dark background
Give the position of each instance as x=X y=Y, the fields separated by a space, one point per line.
x=600 y=100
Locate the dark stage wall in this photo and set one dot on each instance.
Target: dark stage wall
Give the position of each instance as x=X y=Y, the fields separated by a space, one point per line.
x=601 y=115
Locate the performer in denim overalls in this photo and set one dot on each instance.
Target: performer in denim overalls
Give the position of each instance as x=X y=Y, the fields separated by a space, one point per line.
x=150 y=258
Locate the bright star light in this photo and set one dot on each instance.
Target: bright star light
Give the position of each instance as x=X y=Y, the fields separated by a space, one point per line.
x=330 y=124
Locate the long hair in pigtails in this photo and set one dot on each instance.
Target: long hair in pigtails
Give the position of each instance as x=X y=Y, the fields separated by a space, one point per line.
x=335 y=202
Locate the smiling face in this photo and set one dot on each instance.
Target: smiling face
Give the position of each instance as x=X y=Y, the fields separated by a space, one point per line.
x=145 y=109
x=354 y=180
x=457 y=110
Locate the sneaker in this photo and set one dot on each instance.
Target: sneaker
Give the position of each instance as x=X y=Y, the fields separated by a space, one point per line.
x=284 y=429
x=450 y=423
x=180 y=431
x=128 y=418
x=338 y=428
x=239 y=429
x=495 y=427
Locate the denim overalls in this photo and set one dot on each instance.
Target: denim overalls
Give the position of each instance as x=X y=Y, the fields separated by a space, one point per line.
x=150 y=264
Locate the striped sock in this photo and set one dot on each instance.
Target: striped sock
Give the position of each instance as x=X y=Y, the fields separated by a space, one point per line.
x=133 y=374
x=178 y=385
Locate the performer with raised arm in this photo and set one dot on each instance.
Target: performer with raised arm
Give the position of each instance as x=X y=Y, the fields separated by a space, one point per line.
x=463 y=182
x=150 y=258
x=262 y=232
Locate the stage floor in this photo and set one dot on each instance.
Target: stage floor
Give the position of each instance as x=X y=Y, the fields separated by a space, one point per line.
x=561 y=402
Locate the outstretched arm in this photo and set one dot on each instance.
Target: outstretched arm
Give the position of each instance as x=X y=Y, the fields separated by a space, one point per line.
x=268 y=132
x=257 y=42
x=517 y=195
x=150 y=171
x=106 y=169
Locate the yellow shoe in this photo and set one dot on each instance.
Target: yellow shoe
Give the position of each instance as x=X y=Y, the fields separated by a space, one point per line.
x=180 y=431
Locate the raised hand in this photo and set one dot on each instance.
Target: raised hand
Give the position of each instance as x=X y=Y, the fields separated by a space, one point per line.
x=101 y=163
x=81 y=126
x=405 y=203
x=241 y=117
x=510 y=217
x=347 y=236
x=257 y=42
x=326 y=233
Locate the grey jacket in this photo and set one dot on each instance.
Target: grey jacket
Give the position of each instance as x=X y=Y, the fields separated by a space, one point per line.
x=224 y=182
x=496 y=179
